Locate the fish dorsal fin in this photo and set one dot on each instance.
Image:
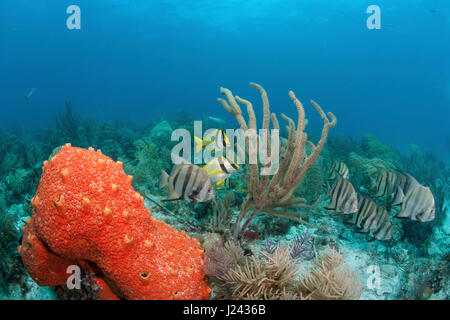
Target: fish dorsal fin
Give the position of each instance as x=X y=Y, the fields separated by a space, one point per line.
x=413 y=182
x=399 y=195
x=163 y=179
x=372 y=182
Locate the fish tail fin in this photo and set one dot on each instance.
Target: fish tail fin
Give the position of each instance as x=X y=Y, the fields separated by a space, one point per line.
x=207 y=166
x=163 y=179
x=198 y=144
x=219 y=184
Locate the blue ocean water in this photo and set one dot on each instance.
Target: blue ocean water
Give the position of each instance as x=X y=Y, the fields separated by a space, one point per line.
x=142 y=60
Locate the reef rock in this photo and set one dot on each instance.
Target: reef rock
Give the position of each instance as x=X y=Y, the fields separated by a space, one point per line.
x=161 y=132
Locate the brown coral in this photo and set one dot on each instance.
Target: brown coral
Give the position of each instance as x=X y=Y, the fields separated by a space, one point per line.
x=275 y=194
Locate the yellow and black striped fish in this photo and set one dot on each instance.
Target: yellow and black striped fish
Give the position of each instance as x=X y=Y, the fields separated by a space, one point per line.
x=188 y=182
x=220 y=169
x=343 y=197
x=339 y=168
x=372 y=218
x=215 y=139
x=418 y=204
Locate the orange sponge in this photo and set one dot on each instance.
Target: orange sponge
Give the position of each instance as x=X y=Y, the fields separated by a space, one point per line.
x=86 y=212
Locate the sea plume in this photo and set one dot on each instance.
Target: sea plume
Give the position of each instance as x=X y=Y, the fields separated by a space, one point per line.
x=331 y=279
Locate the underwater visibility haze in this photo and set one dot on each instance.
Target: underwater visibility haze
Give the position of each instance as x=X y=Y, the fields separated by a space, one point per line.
x=238 y=149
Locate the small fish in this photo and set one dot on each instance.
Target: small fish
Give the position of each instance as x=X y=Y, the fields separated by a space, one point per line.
x=418 y=204
x=372 y=218
x=28 y=96
x=189 y=182
x=339 y=168
x=216 y=138
x=220 y=169
x=343 y=197
x=386 y=184
x=217 y=119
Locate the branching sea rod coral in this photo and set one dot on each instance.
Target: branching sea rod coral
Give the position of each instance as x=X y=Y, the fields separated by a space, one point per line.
x=275 y=194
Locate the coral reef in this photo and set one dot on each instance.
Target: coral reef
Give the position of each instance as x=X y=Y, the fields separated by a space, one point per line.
x=221 y=218
x=372 y=147
x=86 y=213
x=10 y=266
x=147 y=163
x=412 y=265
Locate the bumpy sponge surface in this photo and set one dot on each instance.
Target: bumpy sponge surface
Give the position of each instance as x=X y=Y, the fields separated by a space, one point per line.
x=86 y=212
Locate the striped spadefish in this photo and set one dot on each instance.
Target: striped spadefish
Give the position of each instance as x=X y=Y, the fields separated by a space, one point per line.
x=343 y=195
x=188 y=180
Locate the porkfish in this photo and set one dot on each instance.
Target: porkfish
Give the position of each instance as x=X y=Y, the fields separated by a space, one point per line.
x=215 y=139
x=220 y=169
